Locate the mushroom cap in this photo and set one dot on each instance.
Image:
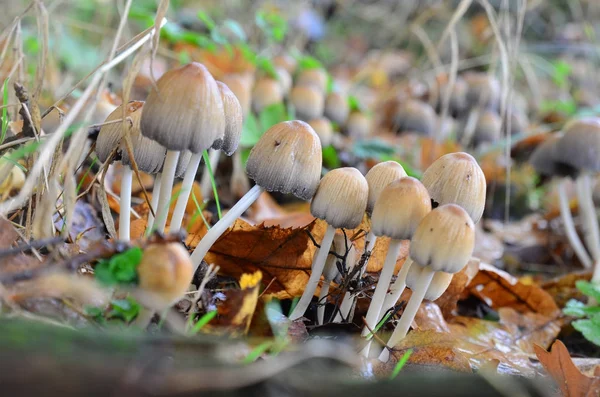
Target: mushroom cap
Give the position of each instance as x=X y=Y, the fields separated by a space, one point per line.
x=186 y=112
x=543 y=161
x=286 y=61
x=488 y=128
x=457 y=178
x=458 y=96
x=287 y=159
x=416 y=116
x=165 y=273
x=233 y=121
x=341 y=198
x=358 y=125
x=337 y=108
x=331 y=272
x=316 y=77
x=379 y=176
x=284 y=78
x=308 y=102
x=266 y=92
x=439 y=283
x=149 y=155
x=444 y=239
x=580 y=145
x=400 y=208
x=240 y=86
x=324 y=130
x=484 y=90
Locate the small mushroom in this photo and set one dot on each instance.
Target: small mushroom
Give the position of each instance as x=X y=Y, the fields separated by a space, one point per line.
x=266 y=92
x=324 y=130
x=316 y=77
x=337 y=108
x=416 y=117
x=340 y=200
x=287 y=62
x=358 y=125
x=308 y=102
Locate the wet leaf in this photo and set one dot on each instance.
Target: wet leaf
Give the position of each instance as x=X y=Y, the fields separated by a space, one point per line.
x=567 y=376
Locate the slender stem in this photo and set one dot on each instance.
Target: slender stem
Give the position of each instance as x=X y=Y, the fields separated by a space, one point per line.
x=166 y=188
x=315 y=275
x=184 y=193
x=154 y=202
x=588 y=213
x=470 y=126
x=410 y=311
x=224 y=223
x=396 y=289
x=322 y=301
x=205 y=183
x=381 y=289
x=567 y=217
x=211 y=174
x=124 y=213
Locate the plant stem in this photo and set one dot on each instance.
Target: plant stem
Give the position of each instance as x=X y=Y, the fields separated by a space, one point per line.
x=205 y=183
x=315 y=275
x=380 y=291
x=154 y=202
x=224 y=223
x=410 y=311
x=207 y=163
x=396 y=289
x=166 y=188
x=567 y=217
x=184 y=192
x=125 y=210
x=322 y=301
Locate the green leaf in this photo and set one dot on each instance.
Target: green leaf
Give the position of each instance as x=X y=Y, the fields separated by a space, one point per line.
x=274 y=26
x=205 y=319
x=125 y=309
x=576 y=308
x=4 y=111
x=331 y=159
x=589 y=289
x=251 y=132
x=401 y=363
x=266 y=65
x=207 y=20
x=247 y=52
x=568 y=107
x=561 y=73
x=410 y=171
x=235 y=28
x=589 y=328
x=271 y=115
x=354 y=103
x=257 y=352
x=308 y=62
x=373 y=148
x=120 y=269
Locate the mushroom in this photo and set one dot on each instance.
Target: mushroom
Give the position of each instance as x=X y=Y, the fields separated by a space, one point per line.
x=439 y=283
x=286 y=159
x=488 y=128
x=308 y=102
x=184 y=113
x=331 y=272
x=378 y=178
x=358 y=125
x=149 y=155
x=397 y=213
x=337 y=108
x=324 y=130
x=286 y=61
x=458 y=96
x=443 y=242
x=543 y=161
x=483 y=93
x=579 y=149
x=315 y=77
x=415 y=116
x=267 y=91
x=341 y=201
x=285 y=80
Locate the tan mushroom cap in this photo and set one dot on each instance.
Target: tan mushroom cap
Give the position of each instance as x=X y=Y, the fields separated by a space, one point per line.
x=439 y=283
x=233 y=121
x=488 y=128
x=315 y=77
x=444 y=240
x=308 y=102
x=358 y=125
x=165 y=273
x=287 y=159
x=324 y=130
x=287 y=62
x=337 y=108
x=543 y=161
x=458 y=96
x=400 y=208
x=240 y=86
x=417 y=117
x=341 y=198
x=484 y=90
x=379 y=177
x=580 y=145
x=149 y=155
x=457 y=178
x=186 y=111
x=266 y=92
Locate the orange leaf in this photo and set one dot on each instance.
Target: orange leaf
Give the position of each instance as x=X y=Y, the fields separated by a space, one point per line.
x=567 y=376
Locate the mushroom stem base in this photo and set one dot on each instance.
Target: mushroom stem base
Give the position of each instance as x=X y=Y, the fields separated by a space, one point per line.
x=567 y=217
x=125 y=204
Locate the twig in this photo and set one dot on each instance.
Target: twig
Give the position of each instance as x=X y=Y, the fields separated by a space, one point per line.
x=29 y=246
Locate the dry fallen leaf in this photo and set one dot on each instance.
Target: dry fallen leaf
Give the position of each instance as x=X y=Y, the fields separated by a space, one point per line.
x=567 y=376
x=563 y=288
x=237 y=310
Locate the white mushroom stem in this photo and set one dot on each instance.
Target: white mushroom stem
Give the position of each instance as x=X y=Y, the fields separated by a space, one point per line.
x=381 y=289
x=205 y=184
x=125 y=210
x=588 y=215
x=348 y=303
x=396 y=289
x=470 y=126
x=322 y=301
x=166 y=188
x=224 y=223
x=154 y=201
x=410 y=311
x=184 y=192
x=567 y=217
x=315 y=275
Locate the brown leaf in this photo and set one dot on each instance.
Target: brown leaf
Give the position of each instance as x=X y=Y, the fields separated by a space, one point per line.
x=567 y=376
x=499 y=289
x=237 y=311
x=448 y=301
x=563 y=288
x=14 y=263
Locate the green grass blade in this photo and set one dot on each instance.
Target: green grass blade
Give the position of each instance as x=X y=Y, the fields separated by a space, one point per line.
x=212 y=181
x=4 y=111
x=257 y=351
x=401 y=363
x=205 y=319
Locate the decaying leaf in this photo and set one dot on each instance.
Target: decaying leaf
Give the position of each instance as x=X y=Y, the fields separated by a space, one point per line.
x=567 y=376
x=13 y=263
x=237 y=310
x=449 y=299
x=563 y=288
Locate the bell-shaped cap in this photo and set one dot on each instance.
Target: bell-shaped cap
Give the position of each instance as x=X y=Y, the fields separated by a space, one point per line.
x=417 y=117
x=337 y=108
x=484 y=90
x=379 y=177
x=580 y=146
x=266 y=92
x=315 y=77
x=358 y=125
x=324 y=130
x=308 y=102
x=241 y=87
